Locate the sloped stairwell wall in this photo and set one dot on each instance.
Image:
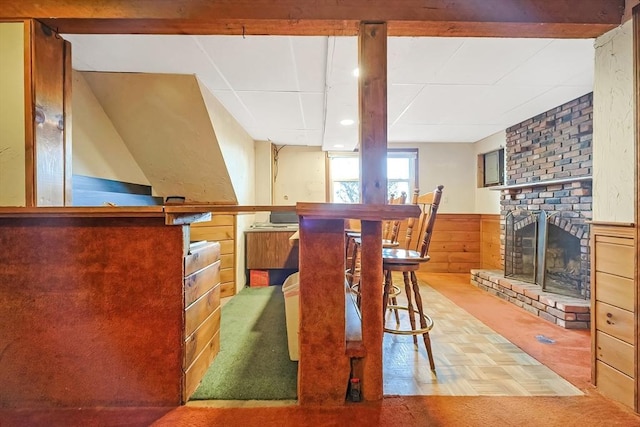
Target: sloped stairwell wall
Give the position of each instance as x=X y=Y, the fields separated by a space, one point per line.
x=164 y=123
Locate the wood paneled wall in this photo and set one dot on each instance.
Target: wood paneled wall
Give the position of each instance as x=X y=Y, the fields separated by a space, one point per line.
x=221 y=228
x=490 y=252
x=455 y=245
x=613 y=300
x=461 y=242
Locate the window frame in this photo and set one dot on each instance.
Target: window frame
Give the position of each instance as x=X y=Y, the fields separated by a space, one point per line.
x=410 y=153
x=498 y=163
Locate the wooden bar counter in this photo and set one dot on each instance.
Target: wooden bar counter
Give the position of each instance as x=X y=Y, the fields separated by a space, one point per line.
x=94 y=304
x=92 y=307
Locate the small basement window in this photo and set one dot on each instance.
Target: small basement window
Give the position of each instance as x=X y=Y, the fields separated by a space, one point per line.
x=491 y=168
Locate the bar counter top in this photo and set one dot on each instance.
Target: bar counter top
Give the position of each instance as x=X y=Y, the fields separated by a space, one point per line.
x=177 y=214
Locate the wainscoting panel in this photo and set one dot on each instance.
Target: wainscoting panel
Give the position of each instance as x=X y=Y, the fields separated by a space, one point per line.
x=614 y=326
x=490 y=253
x=221 y=228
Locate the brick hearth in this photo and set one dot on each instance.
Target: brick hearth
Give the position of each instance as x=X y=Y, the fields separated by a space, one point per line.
x=568 y=312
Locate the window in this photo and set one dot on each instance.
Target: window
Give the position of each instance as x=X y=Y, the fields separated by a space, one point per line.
x=491 y=168
x=344 y=175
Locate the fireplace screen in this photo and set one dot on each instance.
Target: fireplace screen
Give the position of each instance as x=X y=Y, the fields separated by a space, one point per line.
x=539 y=251
x=521 y=229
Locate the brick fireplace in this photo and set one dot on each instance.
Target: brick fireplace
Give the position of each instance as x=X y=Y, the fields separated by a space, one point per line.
x=545 y=207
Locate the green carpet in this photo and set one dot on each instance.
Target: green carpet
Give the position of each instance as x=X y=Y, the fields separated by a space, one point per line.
x=253 y=362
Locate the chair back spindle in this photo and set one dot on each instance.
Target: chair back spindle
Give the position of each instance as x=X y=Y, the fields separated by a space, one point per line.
x=419 y=231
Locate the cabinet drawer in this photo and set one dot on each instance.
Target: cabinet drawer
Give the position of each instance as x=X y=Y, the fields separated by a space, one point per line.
x=197 y=312
x=200 y=257
x=615 y=353
x=614 y=384
x=614 y=290
x=198 y=283
x=196 y=342
x=193 y=375
x=616 y=259
x=615 y=322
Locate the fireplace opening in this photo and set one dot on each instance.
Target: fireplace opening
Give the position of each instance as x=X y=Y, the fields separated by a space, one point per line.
x=538 y=250
x=563 y=264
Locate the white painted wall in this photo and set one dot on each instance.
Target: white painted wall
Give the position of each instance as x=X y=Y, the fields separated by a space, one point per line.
x=299 y=175
x=263 y=179
x=12 y=121
x=614 y=127
x=98 y=149
x=488 y=201
x=238 y=150
x=452 y=165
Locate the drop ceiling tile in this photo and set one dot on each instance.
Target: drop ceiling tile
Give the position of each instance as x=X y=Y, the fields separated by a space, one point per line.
x=399 y=98
x=263 y=63
x=234 y=105
x=279 y=110
x=286 y=136
x=342 y=60
x=546 y=101
x=141 y=53
x=416 y=133
x=418 y=59
x=489 y=107
x=482 y=61
x=558 y=62
x=435 y=103
x=313 y=110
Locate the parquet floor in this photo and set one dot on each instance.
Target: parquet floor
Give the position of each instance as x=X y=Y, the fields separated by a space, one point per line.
x=471 y=359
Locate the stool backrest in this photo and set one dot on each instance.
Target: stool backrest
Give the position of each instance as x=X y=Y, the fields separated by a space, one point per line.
x=391 y=229
x=419 y=230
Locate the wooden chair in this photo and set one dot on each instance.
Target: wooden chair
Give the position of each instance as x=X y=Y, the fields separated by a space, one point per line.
x=408 y=261
x=390 y=232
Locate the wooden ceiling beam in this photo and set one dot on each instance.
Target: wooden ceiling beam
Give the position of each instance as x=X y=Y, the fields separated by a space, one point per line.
x=514 y=18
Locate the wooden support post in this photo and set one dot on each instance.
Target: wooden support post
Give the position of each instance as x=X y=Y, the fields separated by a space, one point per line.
x=372 y=59
x=323 y=369
x=46 y=159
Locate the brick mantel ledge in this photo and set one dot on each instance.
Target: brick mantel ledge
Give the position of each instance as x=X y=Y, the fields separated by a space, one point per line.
x=534 y=184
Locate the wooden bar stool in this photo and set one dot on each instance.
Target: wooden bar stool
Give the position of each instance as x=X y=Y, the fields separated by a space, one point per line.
x=390 y=233
x=408 y=262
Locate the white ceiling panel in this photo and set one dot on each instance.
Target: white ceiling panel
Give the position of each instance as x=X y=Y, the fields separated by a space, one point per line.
x=287 y=136
x=296 y=90
x=312 y=105
x=435 y=103
x=440 y=133
x=237 y=109
x=142 y=53
x=278 y=110
x=268 y=63
x=558 y=62
x=399 y=98
x=548 y=100
x=484 y=61
x=419 y=59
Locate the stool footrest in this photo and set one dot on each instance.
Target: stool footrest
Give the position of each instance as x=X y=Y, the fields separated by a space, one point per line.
x=419 y=331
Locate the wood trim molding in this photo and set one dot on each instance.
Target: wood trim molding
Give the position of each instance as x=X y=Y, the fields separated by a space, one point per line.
x=522 y=18
x=29 y=134
x=636 y=86
x=67 y=136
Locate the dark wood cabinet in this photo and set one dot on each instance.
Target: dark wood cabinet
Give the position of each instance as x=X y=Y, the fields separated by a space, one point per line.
x=270 y=249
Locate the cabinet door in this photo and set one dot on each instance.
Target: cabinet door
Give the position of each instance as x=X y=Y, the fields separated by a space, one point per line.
x=267 y=250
